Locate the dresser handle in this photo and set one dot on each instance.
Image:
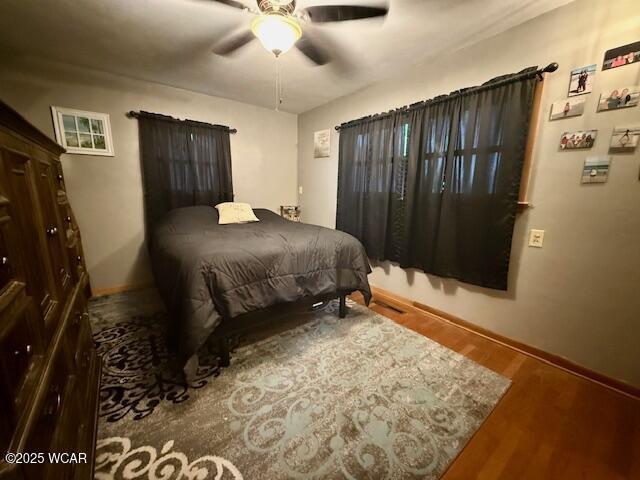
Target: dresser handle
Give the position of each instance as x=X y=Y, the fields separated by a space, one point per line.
x=27 y=351
x=85 y=360
x=55 y=407
x=4 y=262
x=68 y=219
x=60 y=177
x=79 y=260
x=52 y=231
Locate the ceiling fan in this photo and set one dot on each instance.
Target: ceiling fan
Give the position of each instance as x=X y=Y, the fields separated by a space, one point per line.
x=278 y=26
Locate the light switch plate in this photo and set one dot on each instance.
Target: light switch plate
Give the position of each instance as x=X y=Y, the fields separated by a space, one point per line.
x=536 y=238
x=300 y=190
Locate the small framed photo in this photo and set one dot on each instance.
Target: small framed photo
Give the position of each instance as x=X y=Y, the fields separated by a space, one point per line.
x=572 y=107
x=578 y=140
x=622 y=97
x=581 y=80
x=621 y=56
x=596 y=169
x=82 y=132
x=321 y=143
x=624 y=139
x=290 y=212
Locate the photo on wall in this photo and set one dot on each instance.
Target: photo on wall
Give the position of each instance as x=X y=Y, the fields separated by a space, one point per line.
x=621 y=56
x=578 y=140
x=571 y=107
x=622 y=97
x=596 y=169
x=624 y=139
x=321 y=144
x=581 y=80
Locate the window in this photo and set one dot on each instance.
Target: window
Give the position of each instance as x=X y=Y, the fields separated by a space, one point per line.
x=86 y=133
x=441 y=180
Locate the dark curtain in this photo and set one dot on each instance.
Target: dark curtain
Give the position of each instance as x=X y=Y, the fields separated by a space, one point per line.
x=447 y=199
x=367 y=174
x=184 y=163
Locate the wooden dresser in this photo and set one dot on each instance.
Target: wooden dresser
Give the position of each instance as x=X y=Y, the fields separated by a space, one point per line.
x=49 y=370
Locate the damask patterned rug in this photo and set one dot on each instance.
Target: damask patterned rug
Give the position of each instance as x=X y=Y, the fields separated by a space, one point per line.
x=314 y=397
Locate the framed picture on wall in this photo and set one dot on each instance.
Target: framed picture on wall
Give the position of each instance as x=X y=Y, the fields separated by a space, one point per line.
x=321 y=143
x=596 y=169
x=82 y=132
x=624 y=139
x=621 y=56
x=581 y=80
x=622 y=97
x=571 y=107
x=578 y=140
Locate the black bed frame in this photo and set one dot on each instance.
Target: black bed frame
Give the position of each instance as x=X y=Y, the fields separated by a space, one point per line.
x=236 y=326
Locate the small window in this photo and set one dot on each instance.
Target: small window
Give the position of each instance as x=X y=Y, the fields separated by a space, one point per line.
x=86 y=133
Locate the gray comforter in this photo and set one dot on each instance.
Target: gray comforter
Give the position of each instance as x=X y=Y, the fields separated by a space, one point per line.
x=205 y=271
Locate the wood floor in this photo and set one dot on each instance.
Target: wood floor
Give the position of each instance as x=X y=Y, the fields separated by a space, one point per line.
x=549 y=425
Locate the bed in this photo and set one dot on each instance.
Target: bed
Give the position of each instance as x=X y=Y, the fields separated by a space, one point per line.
x=214 y=279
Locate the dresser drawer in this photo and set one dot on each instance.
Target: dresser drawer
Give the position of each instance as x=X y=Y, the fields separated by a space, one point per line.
x=77 y=317
x=78 y=259
x=67 y=433
x=84 y=359
x=59 y=399
x=59 y=175
x=84 y=349
x=20 y=350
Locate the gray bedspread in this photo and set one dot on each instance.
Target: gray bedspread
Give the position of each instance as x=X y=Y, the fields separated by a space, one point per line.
x=205 y=271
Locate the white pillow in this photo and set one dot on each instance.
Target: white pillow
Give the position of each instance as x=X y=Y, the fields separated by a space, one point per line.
x=232 y=212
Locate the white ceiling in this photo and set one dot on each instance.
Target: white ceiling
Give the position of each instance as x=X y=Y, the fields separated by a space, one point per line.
x=170 y=41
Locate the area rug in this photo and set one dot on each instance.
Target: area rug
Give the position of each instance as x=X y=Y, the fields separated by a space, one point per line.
x=314 y=397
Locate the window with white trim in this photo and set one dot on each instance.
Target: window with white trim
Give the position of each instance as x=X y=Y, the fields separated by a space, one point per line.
x=86 y=133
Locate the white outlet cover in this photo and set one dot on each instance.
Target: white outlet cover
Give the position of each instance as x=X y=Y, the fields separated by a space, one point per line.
x=536 y=238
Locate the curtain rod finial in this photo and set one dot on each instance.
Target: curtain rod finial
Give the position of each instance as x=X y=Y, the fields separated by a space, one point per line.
x=552 y=67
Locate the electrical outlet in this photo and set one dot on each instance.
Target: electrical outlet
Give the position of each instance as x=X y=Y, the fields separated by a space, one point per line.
x=300 y=190
x=536 y=237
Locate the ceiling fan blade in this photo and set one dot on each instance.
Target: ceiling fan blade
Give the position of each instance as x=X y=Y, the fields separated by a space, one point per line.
x=231 y=3
x=311 y=50
x=341 y=13
x=231 y=44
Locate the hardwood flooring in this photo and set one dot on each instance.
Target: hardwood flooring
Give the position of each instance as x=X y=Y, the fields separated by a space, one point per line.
x=550 y=424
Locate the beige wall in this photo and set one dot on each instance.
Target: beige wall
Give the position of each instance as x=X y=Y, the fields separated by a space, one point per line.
x=579 y=296
x=106 y=192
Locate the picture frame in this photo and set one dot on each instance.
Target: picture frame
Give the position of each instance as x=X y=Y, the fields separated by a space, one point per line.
x=596 y=169
x=621 y=56
x=582 y=139
x=581 y=80
x=322 y=143
x=571 y=107
x=624 y=139
x=82 y=132
x=621 y=97
x=290 y=212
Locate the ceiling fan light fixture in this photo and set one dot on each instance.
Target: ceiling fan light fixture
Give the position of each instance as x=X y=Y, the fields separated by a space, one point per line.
x=277 y=33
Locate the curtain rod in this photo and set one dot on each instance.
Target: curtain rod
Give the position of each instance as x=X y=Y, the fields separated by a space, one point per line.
x=552 y=67
x=132 y=114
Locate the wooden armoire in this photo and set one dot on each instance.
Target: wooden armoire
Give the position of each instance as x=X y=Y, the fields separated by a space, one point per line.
x=49 y=370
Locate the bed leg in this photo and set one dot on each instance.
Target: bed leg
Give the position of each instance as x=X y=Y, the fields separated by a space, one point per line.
x=343 y=306
x=223 y=351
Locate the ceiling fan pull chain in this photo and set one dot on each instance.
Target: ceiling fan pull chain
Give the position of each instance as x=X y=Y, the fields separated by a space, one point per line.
x=278 y=85
x=280 y=89
x=276 y=89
